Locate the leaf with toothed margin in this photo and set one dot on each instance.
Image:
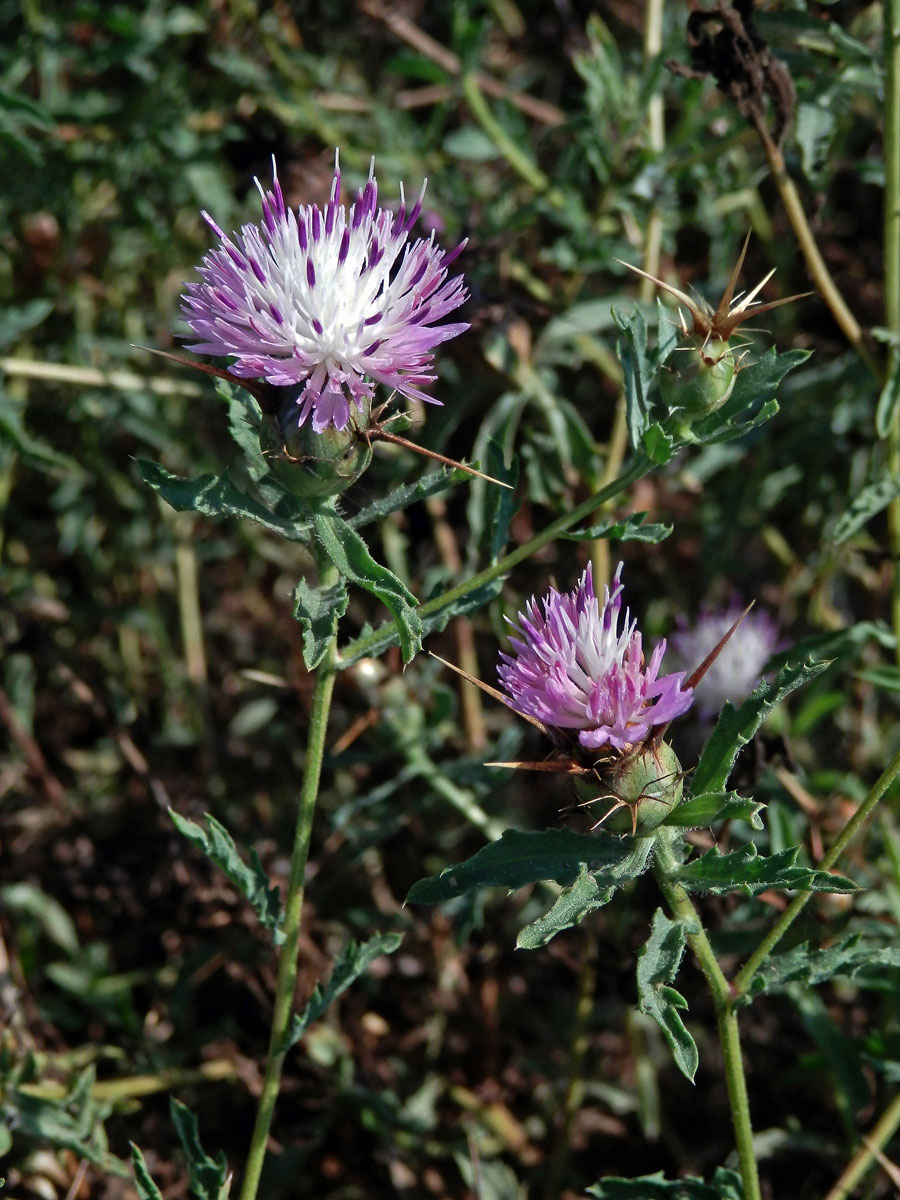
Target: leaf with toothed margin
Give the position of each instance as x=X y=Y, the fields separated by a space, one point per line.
x=216 y=496
x=710 y=808
x=351 y=556
x=725 y=1185
x=252 y=882
x=748 y=871
x=518 y=858
x=736 y=727
x=353 y=961
x=657 y=965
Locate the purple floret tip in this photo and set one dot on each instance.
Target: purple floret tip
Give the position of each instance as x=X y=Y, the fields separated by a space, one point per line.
x=572 y=668
x=262 y=301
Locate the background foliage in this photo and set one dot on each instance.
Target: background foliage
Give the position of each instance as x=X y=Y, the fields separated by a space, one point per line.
x=150 y=658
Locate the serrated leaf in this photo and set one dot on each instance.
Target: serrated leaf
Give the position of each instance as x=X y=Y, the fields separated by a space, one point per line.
x=143 y=1182
x=639 y=371
x=210 y=1177
x=69 y=1123
x=658 y=444
x=631 y=529
x=354 y=960
x=351 y=556
x=215 y=496
x=518 y=858
x=725 y=1185
x=372 y=643
x=244 y=418
x=251 y=881
x=318 y=610
x=736 y=727
x=747 y=871
x=811 y=967
x=571 y=907
x=410 y=493
x=873 y=498
x=657 y=965
x=888 y=401
x=711 y=807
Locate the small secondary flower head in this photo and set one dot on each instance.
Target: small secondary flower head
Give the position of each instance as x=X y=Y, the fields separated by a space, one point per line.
x=333 y=300
x=572 y=669
x=739 y=666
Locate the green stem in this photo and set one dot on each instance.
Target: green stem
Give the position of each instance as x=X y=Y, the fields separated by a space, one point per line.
x=892 y=273
x=293 y=909
x=862 y=1160
x=744 y=977
x=665 y=868
x=519 y=162
x=641 y=466
x=822 y=278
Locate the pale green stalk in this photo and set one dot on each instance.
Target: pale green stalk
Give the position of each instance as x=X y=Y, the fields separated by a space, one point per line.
x=293 y=909
x=868 y=1152
x=892 y=273
x=744 y=977
x=665 y=867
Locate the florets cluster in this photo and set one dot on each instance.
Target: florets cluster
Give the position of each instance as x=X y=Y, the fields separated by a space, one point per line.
x=571 y=668
x=332 y=299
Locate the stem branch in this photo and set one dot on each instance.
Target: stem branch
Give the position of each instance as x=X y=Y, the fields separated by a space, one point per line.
x=744 y=977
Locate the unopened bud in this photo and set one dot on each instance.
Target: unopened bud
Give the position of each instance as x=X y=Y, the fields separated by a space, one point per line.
x=314 y=465
x=641 y=787
x=698 y=376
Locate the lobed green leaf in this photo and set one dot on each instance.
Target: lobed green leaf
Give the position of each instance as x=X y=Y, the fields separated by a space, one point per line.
x=570 y=908
x=521 y=858
x=216 y=496
x=210 y=1178
x=434 y=622
x=354 y=960
x=251 y=881
x=811 y=967
x=143 y=1182
x=657 y=965
x=725 y=1185
x=873 y=498
x=351 y=556
x=747 y=871
x=736 y=727
x=318 y=610
x=629 y=529
x=409 y=493
x=709 y=808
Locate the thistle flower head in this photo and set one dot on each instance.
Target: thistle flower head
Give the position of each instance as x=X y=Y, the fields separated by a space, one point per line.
x=571 y=668
x=739 y=666
x=327 y=301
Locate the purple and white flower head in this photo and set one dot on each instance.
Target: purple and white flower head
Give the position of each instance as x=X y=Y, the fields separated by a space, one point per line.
x=738 y=668
x=572 y=669
x=329 y=299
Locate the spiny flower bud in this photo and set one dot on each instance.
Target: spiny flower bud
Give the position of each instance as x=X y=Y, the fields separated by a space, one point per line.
x=641 y=787
x=314 y=465
x=698 y=375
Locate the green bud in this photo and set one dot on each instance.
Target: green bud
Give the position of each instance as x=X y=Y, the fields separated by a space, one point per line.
x=642 y=787
x=315 y=465
x=698 y=375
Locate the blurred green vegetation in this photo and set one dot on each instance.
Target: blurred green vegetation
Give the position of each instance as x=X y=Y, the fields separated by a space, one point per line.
x=149 y=657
